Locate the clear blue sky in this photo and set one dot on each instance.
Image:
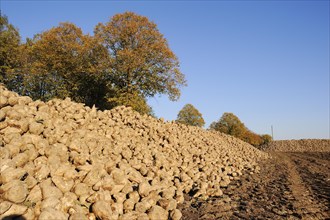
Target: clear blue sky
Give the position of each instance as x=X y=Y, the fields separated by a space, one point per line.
x=267 y=62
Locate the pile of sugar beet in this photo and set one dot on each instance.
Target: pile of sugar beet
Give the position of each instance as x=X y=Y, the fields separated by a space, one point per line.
x=63 y=160
x=303 y=145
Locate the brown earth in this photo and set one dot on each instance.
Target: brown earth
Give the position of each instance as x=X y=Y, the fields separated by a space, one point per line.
x=290 y=185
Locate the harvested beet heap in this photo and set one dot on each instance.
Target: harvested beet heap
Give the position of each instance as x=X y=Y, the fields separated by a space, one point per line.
x=63 y=160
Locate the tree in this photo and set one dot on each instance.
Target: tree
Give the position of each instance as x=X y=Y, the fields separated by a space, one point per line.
x=65 y=62
x=135 y=100
x=9 y=53
x=125 y=62
x=230 y=124
x=189 y=115
x=252 y=138
x=142 y=64
x=266 y=138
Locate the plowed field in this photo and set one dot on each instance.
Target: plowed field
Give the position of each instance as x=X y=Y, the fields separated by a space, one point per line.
x=289 y=186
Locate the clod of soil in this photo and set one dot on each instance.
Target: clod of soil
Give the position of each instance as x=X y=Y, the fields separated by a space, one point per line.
x=61 y=159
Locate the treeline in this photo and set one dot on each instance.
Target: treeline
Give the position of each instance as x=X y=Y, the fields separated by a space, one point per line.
x=126 y=61
x=228 y=124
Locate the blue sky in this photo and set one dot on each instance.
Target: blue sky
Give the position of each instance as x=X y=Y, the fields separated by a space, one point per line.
x=265 y=61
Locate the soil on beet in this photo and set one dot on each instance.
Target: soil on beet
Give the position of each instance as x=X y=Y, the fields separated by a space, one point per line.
x=289 y=186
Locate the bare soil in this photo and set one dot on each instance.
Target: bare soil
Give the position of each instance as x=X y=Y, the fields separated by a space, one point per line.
x=289 y=186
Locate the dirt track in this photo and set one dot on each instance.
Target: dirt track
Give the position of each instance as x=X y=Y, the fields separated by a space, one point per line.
x=289 y=186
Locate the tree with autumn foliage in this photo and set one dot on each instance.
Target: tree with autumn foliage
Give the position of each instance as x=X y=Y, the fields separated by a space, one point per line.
x=229 y=124
x=252 y=138
x=66 y=63
x=124 y=63
x=232 y=125
x=189 y=115
x=141 y=62
x=9 y=53
x=134 y=100
x=266 y=138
